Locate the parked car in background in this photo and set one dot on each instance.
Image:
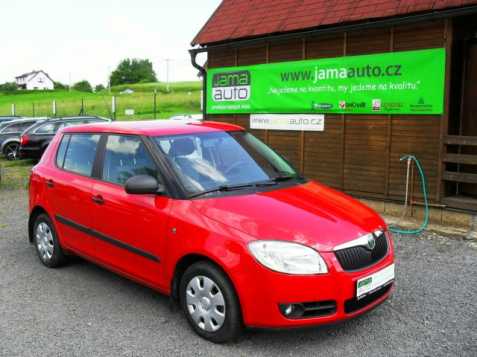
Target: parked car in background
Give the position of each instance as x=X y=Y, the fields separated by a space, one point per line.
x=35 y=140
x=10 y=133
x=187 y=117
x=4 y=119
x=210 y=215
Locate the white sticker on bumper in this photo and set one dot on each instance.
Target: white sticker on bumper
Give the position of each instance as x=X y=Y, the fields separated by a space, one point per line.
x=373 y=282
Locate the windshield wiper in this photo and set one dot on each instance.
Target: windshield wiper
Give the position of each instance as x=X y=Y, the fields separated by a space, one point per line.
x=224 y=188
x=227 y=188
x=283 y=178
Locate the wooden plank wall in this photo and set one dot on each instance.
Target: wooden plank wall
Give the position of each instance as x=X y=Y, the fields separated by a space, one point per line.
x=358 y=154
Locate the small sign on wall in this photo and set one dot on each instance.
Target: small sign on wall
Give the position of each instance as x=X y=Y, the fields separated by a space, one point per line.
x=296 y=122
x=129 y=112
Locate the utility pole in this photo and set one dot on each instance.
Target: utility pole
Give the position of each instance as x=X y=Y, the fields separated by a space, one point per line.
x=155 y=103
x=168 y=60
x=109 y=80
x=113 y=107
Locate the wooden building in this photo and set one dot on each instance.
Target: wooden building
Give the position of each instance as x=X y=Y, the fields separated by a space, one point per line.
x=360 y=154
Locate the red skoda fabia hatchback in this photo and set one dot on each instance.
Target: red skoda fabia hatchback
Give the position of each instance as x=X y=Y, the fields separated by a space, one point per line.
x=211 y=216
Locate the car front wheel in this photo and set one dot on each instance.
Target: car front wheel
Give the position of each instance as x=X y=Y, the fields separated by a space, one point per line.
x=210 y=303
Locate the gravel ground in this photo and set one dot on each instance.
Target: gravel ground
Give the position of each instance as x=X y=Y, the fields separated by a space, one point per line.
x=83 y=310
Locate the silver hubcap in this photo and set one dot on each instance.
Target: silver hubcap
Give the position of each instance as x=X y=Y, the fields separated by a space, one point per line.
x=205 y=303
x=44 y=241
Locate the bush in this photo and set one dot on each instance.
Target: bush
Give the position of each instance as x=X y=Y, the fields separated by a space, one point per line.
x=83 y=86
x=99 y=88
x=60 y=86
x=8 y=87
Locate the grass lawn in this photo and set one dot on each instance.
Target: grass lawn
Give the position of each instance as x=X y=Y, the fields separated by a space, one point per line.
x=14 y=174
x=183 y=98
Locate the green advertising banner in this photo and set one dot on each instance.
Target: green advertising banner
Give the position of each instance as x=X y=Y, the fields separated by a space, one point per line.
x=388 y=83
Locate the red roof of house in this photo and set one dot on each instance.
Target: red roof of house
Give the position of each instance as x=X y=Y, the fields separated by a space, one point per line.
x=236 y=19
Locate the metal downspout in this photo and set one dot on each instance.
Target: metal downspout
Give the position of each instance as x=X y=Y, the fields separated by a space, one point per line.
x=203 y=72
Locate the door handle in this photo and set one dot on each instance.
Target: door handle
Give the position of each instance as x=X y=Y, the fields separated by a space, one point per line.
x=98 y=199
x=50 y=183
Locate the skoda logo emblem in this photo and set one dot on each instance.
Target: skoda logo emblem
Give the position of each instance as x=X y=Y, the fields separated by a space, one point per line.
x=371 y=243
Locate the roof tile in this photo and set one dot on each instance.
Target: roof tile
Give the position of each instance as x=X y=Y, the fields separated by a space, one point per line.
x=236 y=19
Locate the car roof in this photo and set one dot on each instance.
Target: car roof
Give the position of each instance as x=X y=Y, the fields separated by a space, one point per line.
x=74 y=118
x=154 y=127
x=23 y=120
x=62 y=119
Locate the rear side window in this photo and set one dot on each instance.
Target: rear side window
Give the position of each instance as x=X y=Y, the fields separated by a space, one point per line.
x=80 y=153
x=69 y=123
x=60 y=156
x=72 y=123
x=16 y=128
x=125 y=157
x=50 y=128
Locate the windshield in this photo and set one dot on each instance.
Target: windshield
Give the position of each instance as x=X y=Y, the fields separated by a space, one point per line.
x=223 y=160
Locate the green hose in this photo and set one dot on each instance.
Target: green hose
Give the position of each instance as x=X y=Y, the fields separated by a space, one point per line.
x=426 y=200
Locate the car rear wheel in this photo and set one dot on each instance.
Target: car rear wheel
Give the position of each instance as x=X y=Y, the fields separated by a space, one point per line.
x=46 y=242
x=11 y=151
x=210 y=303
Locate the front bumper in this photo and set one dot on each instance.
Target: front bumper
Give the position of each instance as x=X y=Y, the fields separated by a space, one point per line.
x=262 y=295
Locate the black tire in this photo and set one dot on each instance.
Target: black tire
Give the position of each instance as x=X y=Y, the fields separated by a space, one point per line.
x=44 y=225
x=232 y=325
x=10 y=151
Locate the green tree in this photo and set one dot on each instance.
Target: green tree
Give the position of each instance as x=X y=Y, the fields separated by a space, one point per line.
x=60 y=86
x=131 y=71
x=99 y=88
x=83 y=86
x=8 y=87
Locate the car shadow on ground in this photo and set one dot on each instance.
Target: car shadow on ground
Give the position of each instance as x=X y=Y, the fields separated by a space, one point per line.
x=130 y=290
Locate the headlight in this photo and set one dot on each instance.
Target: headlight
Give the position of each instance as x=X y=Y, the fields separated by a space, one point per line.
x=287 y=257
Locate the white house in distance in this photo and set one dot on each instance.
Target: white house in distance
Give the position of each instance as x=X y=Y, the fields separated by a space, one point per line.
x=35 y=80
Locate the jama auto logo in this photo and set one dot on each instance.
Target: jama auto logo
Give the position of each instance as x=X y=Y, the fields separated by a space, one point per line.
x=231 y=86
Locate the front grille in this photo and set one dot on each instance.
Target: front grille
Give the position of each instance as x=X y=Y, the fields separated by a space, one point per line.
x=353 y=305
x=360 y=257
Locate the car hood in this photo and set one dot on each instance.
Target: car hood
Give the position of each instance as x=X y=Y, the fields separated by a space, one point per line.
x=310 y=214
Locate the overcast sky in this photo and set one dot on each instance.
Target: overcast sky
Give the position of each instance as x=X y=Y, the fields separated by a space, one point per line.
x=86 y=39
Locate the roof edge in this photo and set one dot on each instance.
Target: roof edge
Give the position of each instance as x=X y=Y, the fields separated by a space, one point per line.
x=344 y=26
x=194 y=41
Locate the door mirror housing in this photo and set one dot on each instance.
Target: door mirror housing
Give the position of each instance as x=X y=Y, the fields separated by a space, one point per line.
x=143 y=184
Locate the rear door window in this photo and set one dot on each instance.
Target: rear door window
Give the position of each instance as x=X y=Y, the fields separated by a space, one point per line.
x=126 y=156
x=81 y=153
x=50 y=128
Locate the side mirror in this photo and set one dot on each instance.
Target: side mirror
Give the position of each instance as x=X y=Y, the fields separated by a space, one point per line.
x=143 y=184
